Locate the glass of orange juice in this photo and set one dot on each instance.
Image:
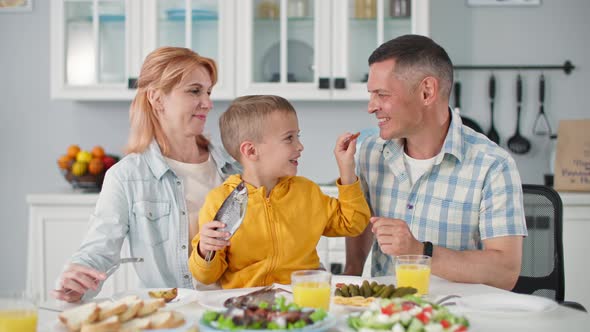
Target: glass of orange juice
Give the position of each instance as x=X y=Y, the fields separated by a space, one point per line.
x=18 y=312
x=413 y=271
x=311 y=288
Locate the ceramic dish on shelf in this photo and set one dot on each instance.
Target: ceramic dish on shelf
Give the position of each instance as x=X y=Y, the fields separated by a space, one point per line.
x=299 y=62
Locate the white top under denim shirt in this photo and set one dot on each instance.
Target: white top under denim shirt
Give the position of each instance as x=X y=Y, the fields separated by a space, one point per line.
x=143 y=199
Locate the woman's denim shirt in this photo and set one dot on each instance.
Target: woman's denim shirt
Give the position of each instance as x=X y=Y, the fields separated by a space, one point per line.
x=143 y=200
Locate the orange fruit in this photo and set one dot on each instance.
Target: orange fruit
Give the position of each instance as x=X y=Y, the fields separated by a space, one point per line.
x=97 y=152
x=96 y=166
x=64 y=162
x=73 y=150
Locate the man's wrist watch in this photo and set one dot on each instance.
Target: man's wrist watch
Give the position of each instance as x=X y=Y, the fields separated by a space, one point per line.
x=427 y=249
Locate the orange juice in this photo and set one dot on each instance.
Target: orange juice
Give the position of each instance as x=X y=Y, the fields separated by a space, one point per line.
x=312 y=294
x=18 y=320
x=413 y=275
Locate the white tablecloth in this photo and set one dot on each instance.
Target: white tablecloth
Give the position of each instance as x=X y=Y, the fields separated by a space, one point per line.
x=560 y=319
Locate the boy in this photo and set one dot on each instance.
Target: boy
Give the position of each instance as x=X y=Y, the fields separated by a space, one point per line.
x=286 y=214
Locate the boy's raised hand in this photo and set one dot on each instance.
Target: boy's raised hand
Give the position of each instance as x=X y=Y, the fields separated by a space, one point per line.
x=213 y=238
x=344 y=153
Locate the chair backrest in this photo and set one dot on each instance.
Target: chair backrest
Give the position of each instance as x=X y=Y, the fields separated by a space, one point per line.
x=542 y=259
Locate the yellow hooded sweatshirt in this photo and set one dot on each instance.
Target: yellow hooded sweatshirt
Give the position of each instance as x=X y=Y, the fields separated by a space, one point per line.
x=279 y=233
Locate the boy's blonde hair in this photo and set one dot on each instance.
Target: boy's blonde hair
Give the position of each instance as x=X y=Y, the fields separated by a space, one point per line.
x=245 y=118
x=162 y=70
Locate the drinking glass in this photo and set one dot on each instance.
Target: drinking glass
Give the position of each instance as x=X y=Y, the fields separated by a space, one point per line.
x=311 y=288
x=413 y=271
x=18 y=312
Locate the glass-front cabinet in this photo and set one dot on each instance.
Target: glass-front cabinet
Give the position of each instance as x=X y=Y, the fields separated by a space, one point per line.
x=317 y=49
x=98 y=46
x=299 y=49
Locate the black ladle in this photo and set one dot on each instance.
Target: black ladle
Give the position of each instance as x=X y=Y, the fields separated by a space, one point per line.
x=493 y=133
x=517 y=143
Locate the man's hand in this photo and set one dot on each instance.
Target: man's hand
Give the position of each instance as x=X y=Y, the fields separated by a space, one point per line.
x=394 y=237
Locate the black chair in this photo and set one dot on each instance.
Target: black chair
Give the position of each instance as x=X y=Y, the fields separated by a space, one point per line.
x=542 y=255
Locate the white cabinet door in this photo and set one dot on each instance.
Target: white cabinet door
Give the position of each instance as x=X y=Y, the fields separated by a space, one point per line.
x=361 y=27
x=282 y=49
x=317 y=50
x=98 y=46
x=91 y=49
x=57 y=226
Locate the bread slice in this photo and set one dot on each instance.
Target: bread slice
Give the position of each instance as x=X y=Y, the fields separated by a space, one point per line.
x=108 y=309
x=110 y=324
x=75 y=317
x=150 y=306
x=136 y=325
x=161 y=320
x=178 y=320
x=134 y=304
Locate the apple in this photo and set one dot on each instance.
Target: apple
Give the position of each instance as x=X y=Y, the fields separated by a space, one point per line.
x=108 y=161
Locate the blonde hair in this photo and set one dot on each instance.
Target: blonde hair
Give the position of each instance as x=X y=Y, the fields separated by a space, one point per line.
x=245 y=118
x=162 y=70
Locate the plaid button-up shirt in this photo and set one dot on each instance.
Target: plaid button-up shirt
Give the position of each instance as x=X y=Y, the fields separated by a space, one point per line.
x=472 y=192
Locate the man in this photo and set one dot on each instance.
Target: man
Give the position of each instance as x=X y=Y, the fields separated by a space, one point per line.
x=435 y=187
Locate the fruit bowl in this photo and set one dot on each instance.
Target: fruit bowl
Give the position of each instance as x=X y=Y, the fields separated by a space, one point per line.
x=84 y=169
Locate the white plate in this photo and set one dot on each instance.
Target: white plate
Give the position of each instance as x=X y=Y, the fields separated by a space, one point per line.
x=184 y=296
x=57 y=326
x=300 y=62
x=505 y=304
x=214 y=299
x=327 y=323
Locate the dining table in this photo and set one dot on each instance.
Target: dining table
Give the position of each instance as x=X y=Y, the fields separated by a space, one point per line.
x=553 y=318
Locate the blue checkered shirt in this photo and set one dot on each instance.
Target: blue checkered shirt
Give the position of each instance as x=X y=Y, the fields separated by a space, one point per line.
x=472 y=192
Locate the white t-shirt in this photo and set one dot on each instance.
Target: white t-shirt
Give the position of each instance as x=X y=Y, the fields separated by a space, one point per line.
x=417 y=167
x=198 y=179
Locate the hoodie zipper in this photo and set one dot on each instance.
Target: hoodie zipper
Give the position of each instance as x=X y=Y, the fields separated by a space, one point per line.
x=273 y=232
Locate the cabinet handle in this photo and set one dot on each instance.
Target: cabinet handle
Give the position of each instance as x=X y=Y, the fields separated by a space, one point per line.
x=324 y=83
x=132 y=83
x=340 y=83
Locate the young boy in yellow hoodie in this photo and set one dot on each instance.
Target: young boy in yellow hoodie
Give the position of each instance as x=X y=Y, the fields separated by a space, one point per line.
x=286 y=214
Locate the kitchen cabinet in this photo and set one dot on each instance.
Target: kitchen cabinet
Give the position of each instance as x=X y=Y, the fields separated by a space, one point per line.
x=57 y=226
x=317 y=50
x=299 y=49
x=98 y=46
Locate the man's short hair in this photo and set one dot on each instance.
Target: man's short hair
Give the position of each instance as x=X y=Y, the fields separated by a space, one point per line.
x=415 y=54
x=245 y=118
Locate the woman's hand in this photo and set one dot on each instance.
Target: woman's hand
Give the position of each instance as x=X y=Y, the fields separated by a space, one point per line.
x=76 y=280
x=213 y=238
x=344 y=153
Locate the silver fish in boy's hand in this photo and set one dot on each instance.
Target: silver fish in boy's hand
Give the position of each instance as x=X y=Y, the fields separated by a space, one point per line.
x=232 y=211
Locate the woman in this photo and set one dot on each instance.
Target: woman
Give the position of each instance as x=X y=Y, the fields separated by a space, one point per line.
x=153 y=195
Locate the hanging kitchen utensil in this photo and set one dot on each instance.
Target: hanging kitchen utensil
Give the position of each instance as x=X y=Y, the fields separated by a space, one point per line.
x=517 y=143
x=492 y=133
x=542 y=126
x=466 y=120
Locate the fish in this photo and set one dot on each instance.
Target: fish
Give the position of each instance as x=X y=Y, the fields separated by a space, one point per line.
x=266 y=294
x=232 y=211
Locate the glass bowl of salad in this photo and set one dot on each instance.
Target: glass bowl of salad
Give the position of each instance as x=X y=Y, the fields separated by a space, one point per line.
x=407 y=314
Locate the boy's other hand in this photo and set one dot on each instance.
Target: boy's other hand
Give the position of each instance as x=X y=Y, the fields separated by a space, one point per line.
x=213 y=238
x=344 y=153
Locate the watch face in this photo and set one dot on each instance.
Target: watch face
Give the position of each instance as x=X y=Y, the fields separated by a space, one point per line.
x=427 y=249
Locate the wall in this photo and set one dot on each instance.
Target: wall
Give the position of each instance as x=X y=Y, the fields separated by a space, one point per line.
x=35 y=130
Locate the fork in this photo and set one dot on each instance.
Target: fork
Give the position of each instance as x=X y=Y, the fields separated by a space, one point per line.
x=444 y=301
x=113 y=268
